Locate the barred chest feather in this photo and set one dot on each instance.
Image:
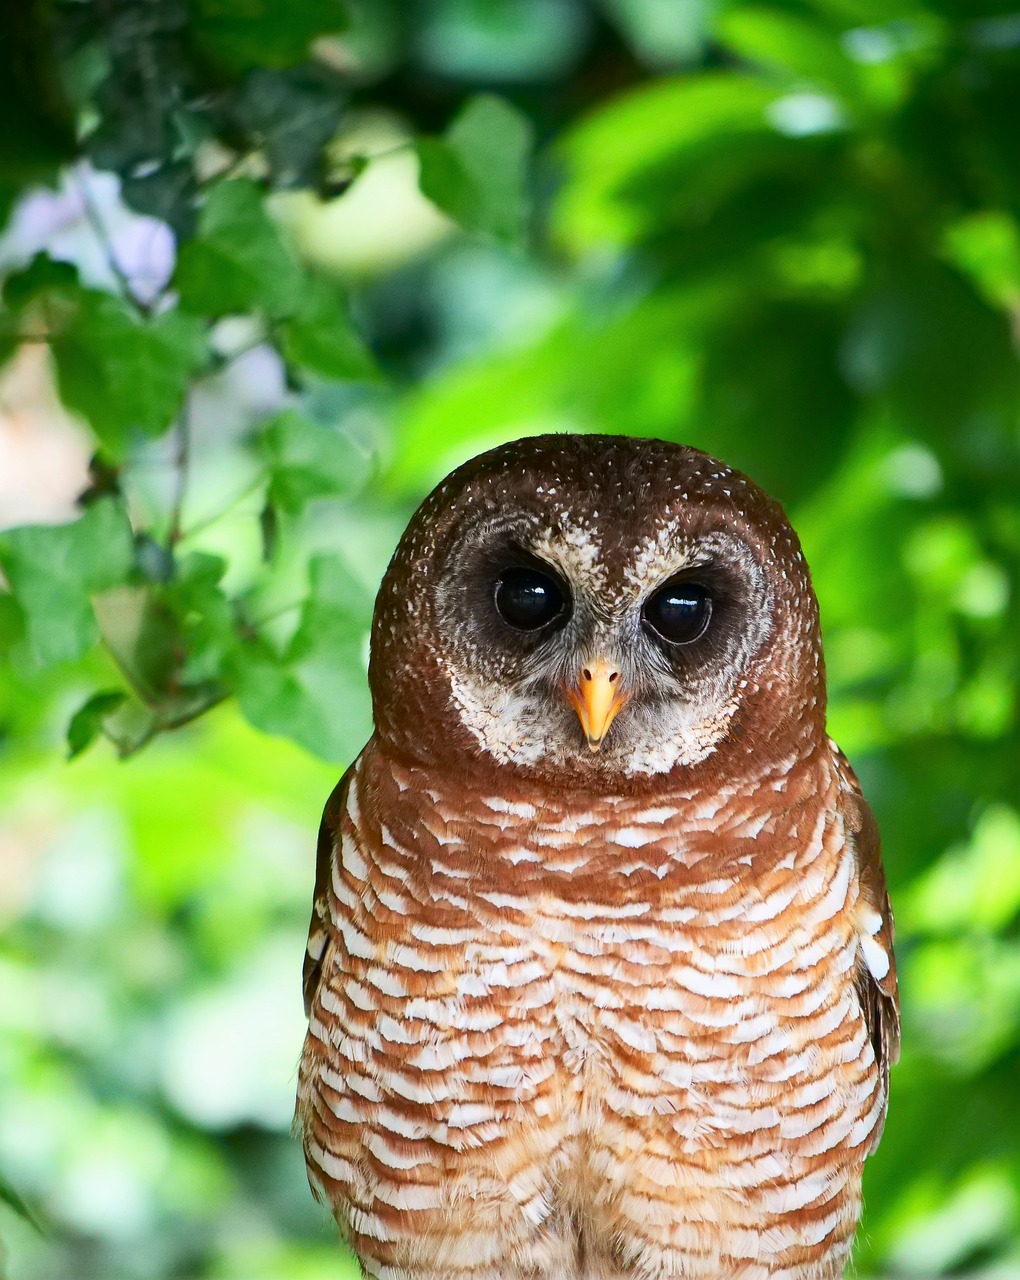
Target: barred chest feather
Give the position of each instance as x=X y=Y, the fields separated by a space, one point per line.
x=613 y=1038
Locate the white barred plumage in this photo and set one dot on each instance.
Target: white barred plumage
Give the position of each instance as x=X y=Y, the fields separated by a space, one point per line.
x=571 y=1017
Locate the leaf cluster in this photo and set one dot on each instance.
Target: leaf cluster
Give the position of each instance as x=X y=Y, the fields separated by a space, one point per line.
x=203 y=110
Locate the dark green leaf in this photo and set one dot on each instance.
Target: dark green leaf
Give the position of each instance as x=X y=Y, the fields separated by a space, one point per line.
x=41 y=275
x=54 y=572
x=154 y=561
x=269 y=527
x=12 y=624
x=927 y=343
x=141 y=637
x=38 y=134
x=10 y=1197
x=87 y=722
x=443 y=178
x=289 y=116
x=131 y=726
x=125 y=374
x=308 y=459
x=237 y=261
x=478 y=172
x=316 y=691
x=321 y=336
x=204 y=617
x=41 y=278
x=165 y=191
x=337 y=175
x=172 y=639
x=240 y=34
x=146 y=108
x=773 y=398
x=8 y=346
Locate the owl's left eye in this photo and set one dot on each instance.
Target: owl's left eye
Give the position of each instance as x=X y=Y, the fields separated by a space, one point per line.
x=679 y=612
x=528 y=598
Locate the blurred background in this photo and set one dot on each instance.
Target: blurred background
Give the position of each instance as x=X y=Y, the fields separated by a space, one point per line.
x=269 y=271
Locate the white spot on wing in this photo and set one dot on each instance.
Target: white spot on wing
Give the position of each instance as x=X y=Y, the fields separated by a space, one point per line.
x=875 y=957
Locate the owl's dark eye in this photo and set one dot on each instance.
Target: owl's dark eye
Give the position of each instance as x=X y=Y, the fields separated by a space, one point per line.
x=679 y=612
x=528 y=598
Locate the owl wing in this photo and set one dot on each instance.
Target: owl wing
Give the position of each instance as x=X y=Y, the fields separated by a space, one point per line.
x=875 y=971
x=319 y=925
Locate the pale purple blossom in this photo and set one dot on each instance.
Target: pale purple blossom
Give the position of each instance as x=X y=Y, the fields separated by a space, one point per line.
x=85 y=222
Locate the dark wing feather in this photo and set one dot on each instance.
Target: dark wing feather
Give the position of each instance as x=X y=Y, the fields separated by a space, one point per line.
x=875 y=973
x=319 y=927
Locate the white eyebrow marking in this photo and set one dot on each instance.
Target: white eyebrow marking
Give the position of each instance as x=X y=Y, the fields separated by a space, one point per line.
x=664 y=552
x=575 y=549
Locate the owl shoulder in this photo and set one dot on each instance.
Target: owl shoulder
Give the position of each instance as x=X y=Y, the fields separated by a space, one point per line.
x=319 y=925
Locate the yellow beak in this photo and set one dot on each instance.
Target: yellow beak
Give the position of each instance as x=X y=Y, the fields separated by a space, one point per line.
x=597 y=698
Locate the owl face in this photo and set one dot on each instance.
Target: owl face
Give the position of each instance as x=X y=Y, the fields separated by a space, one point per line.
x=578 y=606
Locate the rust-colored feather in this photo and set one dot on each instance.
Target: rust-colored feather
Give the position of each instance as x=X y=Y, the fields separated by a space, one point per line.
x=617 y=1041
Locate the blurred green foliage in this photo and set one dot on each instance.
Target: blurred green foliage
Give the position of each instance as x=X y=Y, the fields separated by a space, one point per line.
x=786 y=233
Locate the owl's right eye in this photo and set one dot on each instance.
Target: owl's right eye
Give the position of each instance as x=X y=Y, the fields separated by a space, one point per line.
x=528 y=599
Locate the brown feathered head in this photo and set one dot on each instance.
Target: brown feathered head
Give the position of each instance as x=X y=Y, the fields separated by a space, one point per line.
x=596 y=609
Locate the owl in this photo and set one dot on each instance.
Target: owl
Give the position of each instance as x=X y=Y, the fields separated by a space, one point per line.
x=599 y=979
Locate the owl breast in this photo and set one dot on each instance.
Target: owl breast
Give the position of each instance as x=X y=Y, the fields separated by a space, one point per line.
x=613 y=1039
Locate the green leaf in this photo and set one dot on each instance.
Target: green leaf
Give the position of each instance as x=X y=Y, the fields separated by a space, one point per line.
x=204 y=617
x=291 y=115
x=798 y=46
x=241 y=34
x=125 y=374
x=316 y=692
x=8 y=345
x=12 y=624
x=122 y=371
x=269 y=527
x=443 y=178
x=478 y=171
x=87 y=722
x=308 y=459
x=54 y=572
x=237 y=262
x=172 y=639
x=661 y=123
x=661 y=33
x=40 y=276
x=986 y=247
x=10 y=1197
x=321 y=336
x=141 y=641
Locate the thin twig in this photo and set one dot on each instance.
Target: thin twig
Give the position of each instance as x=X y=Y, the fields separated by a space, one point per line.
x=100 y=232
x=200 y=526
x=273 y=614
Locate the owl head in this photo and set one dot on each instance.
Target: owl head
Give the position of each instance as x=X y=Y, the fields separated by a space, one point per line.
x=596 y=609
